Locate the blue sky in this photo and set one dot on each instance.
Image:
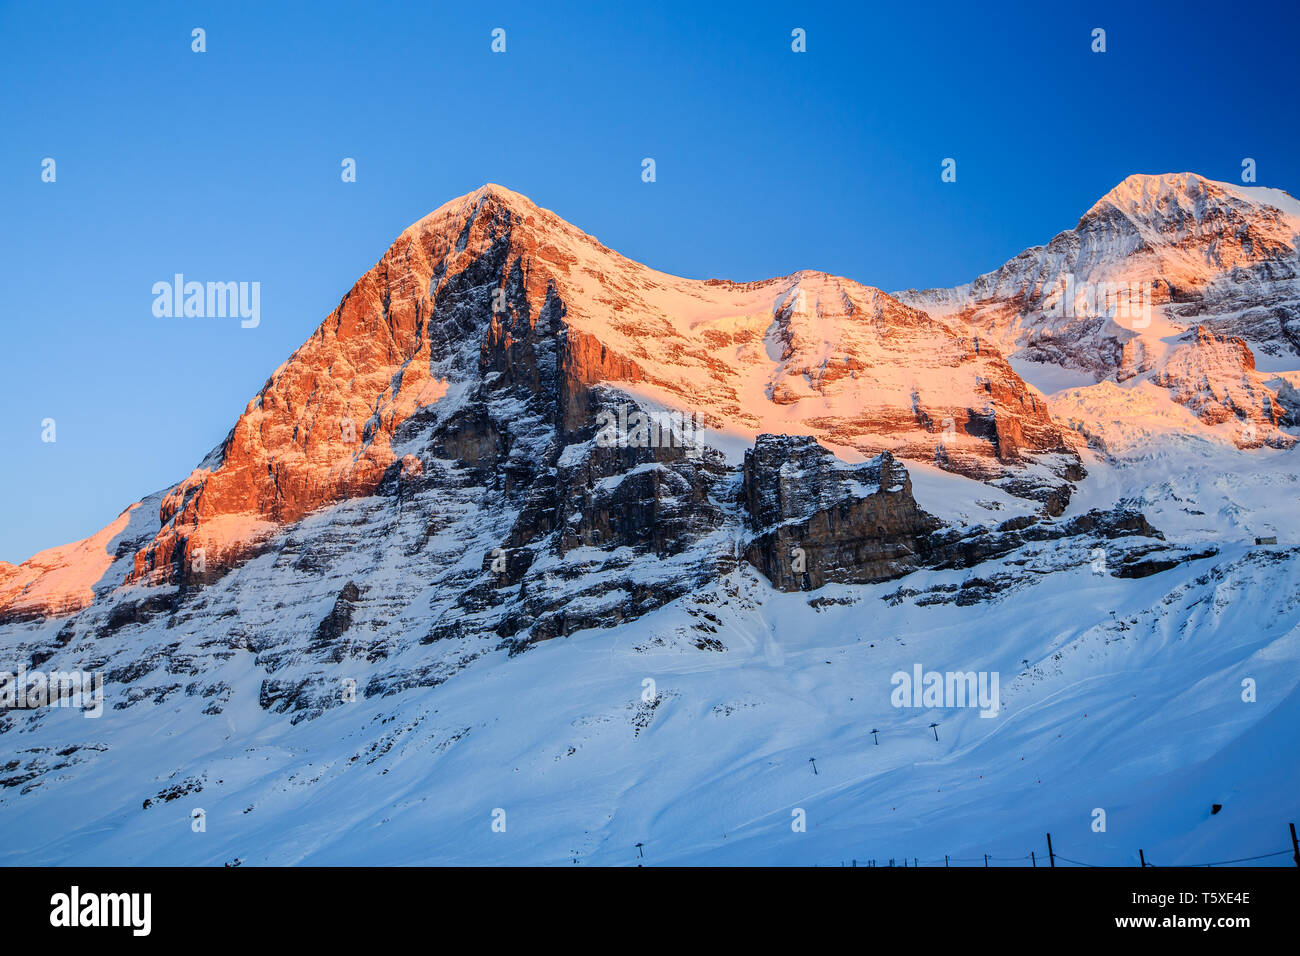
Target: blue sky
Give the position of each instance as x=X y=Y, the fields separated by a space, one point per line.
x=225 y=166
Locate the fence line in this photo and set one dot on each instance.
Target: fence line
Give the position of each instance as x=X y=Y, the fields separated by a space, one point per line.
x=1053 y=856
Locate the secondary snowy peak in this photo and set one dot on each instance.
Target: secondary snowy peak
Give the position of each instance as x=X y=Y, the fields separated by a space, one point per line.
x=1154 y=259
x=1192 y=245
x=1180 y=245
x=1184 y=204
x=1195 y=229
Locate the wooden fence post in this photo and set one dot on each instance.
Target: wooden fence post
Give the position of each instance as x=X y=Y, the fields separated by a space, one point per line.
x=1051 y=855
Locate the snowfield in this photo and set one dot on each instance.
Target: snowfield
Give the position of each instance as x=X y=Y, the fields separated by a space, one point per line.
x=1124 y=695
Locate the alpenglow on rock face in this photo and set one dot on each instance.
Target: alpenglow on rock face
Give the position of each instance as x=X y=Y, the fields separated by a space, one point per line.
x=485 y=342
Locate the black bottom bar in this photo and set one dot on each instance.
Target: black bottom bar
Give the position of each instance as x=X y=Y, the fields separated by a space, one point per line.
x=332 y=906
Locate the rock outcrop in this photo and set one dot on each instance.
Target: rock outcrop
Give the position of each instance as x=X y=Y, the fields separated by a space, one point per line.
x=816 y=520
x=1216 y=379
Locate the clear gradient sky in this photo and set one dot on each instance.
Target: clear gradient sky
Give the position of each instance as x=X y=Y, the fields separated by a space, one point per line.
x=226 y=166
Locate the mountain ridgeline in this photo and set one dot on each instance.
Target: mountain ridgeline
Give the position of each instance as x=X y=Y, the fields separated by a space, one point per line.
x=457 y=390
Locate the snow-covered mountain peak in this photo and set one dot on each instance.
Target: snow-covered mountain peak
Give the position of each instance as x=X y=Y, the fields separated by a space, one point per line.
x=514 y=474
x=1167 y=208
x=454 y=214
x=1143 y=195
x=1117 y=298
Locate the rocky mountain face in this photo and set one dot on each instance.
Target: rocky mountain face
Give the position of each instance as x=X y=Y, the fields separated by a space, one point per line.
x=482 y=348
x=813 y=520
